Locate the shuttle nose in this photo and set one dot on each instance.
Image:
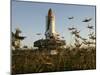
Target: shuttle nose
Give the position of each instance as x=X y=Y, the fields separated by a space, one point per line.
x=50 y=12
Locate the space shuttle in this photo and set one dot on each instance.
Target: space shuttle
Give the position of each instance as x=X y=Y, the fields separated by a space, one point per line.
x=52 y=40
x=50 y=32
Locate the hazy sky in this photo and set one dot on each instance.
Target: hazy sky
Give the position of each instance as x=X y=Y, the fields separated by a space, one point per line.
x=30 y=17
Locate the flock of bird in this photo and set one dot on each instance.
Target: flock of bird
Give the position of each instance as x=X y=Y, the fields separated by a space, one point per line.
x=76 y=32
x=85 y=20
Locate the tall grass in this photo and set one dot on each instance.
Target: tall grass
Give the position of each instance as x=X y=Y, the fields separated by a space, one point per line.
x=34 y=61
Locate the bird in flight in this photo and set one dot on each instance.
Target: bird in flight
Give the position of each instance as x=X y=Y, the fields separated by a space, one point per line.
x=75 y=32
x=72 y=28
x=71 y=17
x=87 y=20
x=90 y=27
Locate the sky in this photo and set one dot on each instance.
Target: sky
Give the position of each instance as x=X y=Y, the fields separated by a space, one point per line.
x=30 y=17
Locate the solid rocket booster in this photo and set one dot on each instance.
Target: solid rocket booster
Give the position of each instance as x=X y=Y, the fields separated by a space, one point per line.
x=50 y=26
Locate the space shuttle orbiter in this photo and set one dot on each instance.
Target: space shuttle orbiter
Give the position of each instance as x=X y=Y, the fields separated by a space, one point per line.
x=50 y=26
